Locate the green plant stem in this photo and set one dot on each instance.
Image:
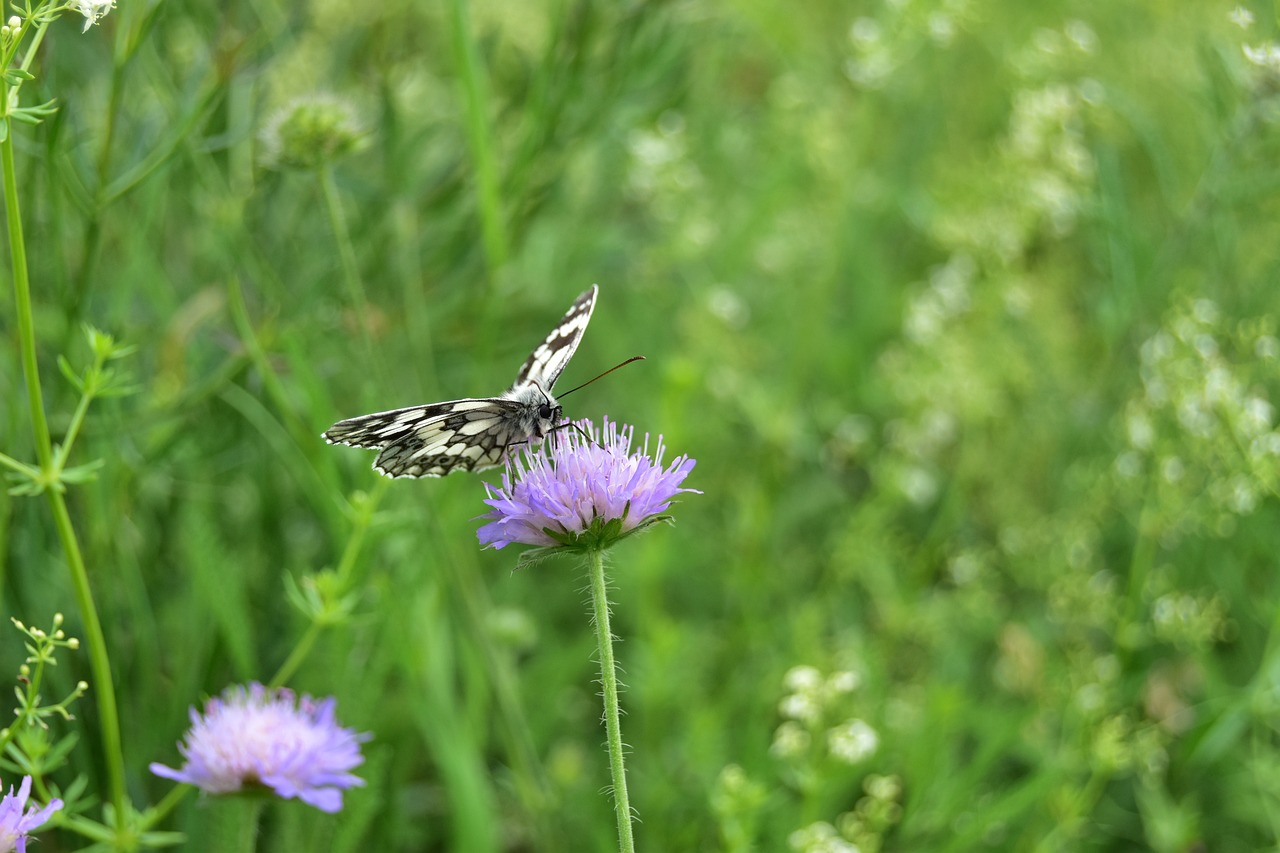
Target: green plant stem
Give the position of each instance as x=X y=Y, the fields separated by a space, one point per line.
x=609 y=681
x=475 y=90
x=236 y=824
x=344 y=574
x=99 y=663
x=73 y=430
x=346 y=251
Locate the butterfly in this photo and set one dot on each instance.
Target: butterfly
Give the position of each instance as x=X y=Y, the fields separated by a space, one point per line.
x=474 y=433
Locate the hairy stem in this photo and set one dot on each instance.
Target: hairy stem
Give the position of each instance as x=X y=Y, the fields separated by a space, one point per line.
x=609 y=681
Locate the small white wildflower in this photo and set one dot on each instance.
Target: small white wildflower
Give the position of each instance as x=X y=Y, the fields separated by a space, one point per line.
x=1156 y=348
x=729 y=307
x=942 y=28
x=820 y=837
x=1194 y=418
x=1205 y=345
x=1241 y=17
x=1265 y=445
x=1090 y=697
x=1172 y=469
x=864 y=31
x=964 y=568
x=883 y=787
x=1142 y=433
x=93 y=10
x=918 y=485
x=844 y=681
x=1205 y=311
x=1243 y=496
x=800 y=706
x=852 y=741
x=1220 y=387
x=1107 y=667
x=1265 y=56
x=801 y=678
x=1255 y=417
x=1082 y=36
x=853 y=431
x=790 y=740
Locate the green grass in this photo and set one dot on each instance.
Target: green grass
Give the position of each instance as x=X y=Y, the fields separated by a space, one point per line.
x=968 y=320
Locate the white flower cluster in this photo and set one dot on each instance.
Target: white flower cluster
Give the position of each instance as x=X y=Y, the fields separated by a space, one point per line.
x=861 y=828
x=881 y=45
x=1203 y=424
x=813 y=699
x=820 y=837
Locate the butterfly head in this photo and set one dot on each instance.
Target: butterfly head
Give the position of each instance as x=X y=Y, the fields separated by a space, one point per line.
x=540 y=413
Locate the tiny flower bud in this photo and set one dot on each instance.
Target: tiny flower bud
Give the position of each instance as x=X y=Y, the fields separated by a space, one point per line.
x=15 y=23
x=310 y=132
x=73 y=643
x=57 y=619
x=82 y=687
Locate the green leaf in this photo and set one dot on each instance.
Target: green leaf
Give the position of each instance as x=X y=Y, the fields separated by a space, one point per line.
x=82 y=473
x=69 y=372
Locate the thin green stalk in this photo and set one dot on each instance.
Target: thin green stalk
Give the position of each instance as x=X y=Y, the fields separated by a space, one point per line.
x=73 y=430
x=344 y=573
x=99 y=663
x=346 y=251
x=236 y=824
x=298 y=655
x=609 y=681
x=475 y=90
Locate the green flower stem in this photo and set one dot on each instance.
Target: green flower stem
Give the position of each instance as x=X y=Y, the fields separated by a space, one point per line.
x=346 y=251
x=363 y=519
x=63 y=452
x=475 y=90
x=99 y=663
x=236 y=823
x=609 y=681
x=298 y=655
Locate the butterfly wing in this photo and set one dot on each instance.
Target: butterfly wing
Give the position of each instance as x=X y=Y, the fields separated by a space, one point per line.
x=435 y=439
x=545 y=364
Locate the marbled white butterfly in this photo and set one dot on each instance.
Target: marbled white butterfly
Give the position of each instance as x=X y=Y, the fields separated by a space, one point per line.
x=475 y=433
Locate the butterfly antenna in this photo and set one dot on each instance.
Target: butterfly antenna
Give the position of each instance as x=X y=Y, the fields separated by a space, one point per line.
x=602 y=375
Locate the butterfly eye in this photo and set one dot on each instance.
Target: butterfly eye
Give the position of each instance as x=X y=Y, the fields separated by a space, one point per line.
x=544 y=412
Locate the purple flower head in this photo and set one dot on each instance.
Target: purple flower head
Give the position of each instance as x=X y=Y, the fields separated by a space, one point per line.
x=16 y=820
x=588 y=491
x=255 y=736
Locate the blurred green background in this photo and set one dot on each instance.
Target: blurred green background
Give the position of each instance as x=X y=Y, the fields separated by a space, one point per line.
x=966 y=309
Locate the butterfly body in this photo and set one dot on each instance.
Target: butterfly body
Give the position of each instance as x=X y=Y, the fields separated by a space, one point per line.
x=474 y=433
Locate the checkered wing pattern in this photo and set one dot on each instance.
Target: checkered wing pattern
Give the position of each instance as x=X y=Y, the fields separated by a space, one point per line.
x=472 y=434
x=545 y=364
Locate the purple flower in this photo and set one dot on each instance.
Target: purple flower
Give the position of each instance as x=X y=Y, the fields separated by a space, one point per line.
x=16 y=820
x=586 y=493
x=258 y=736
